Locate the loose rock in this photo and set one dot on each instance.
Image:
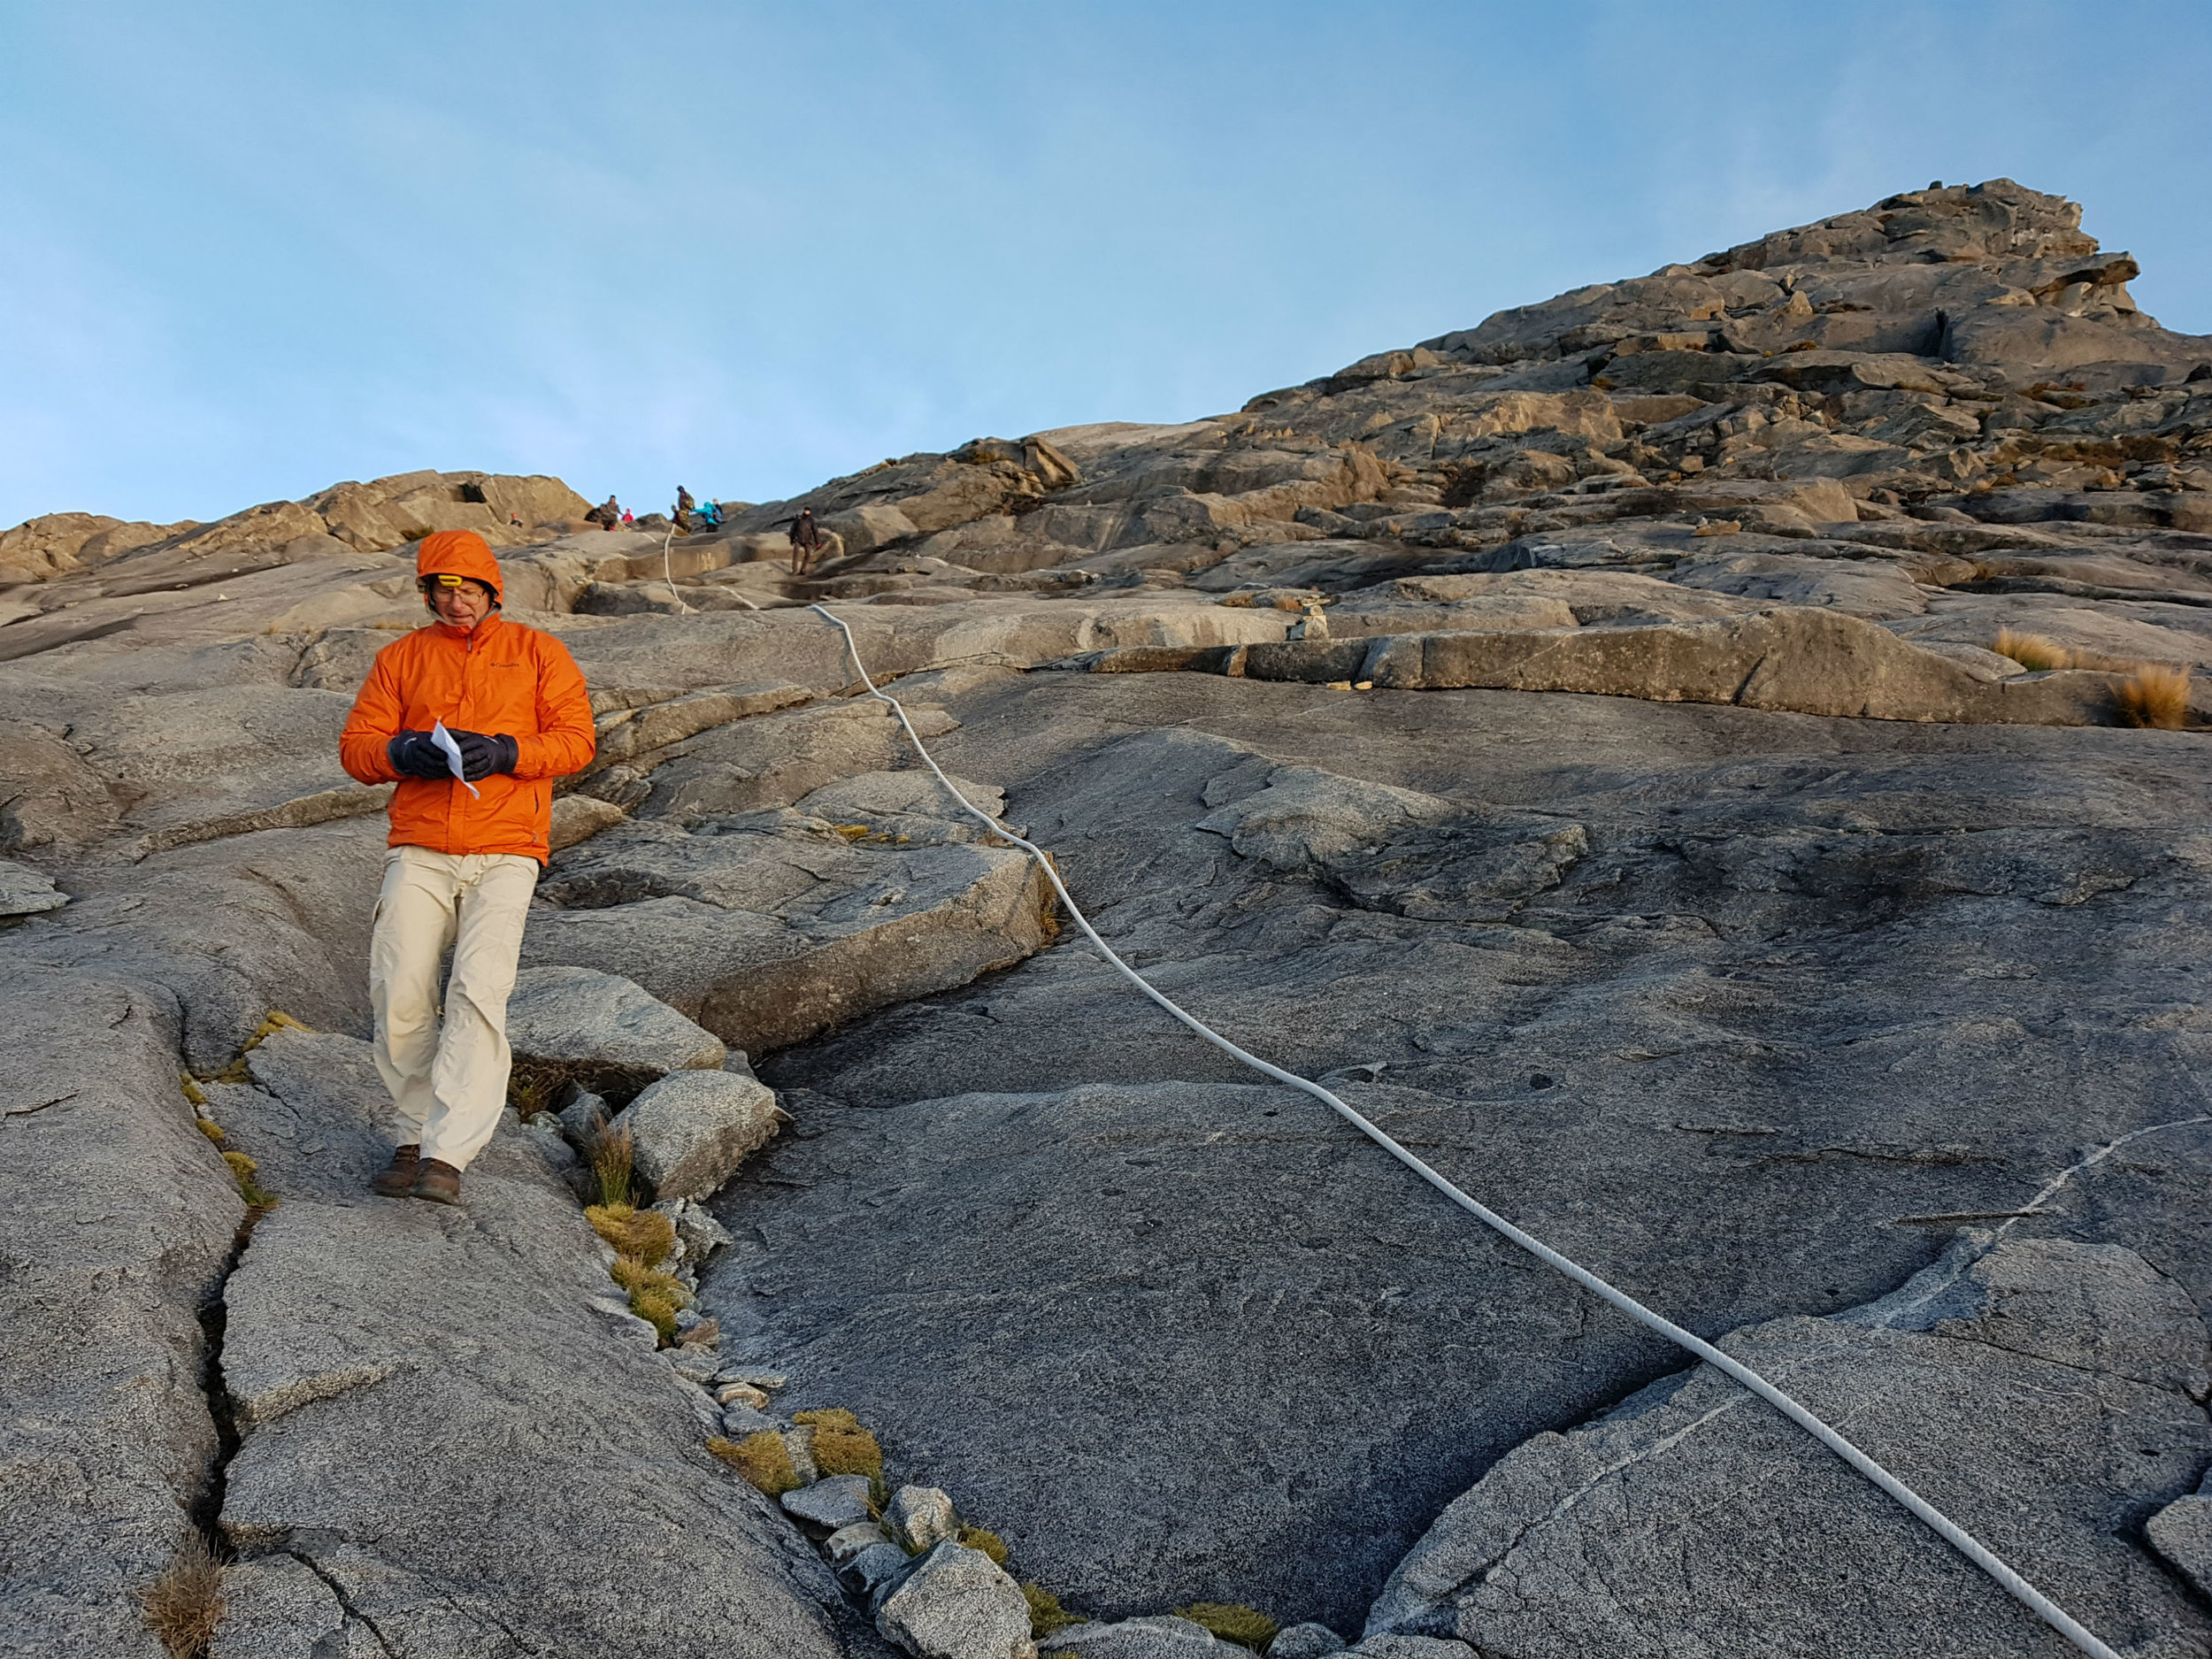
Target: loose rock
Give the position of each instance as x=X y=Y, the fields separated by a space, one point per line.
x=841 y=1500
x=692 y=1129
x=921 y=1516
x=605 y=1032
x=956 y=1603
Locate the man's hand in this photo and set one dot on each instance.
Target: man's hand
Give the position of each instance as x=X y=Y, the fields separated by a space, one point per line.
x=482 y=755
x=414 y=755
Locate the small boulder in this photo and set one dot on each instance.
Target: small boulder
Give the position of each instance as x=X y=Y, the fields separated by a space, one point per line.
x=1162 y=1637
x=580 y=1115
x=739 y=1420
x=1397 y=1646
x=27 y=892
x=872 y=1567
x=2181 y=1532
x=958 y=1603
x=607 y=1032
x=922 y=1516
x=577 y=818
x=754 y=1377
x=1305 y=1641
x=840 y=1501
x=798 y=1443
x=691 y=1130
x=697 y=1229
x=848 y=1541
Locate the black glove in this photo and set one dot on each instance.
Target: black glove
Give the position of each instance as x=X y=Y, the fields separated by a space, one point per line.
x=482 y=755
x=414 y=755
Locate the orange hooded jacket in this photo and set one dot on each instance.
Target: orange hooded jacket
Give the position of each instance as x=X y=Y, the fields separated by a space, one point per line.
x=500 y=678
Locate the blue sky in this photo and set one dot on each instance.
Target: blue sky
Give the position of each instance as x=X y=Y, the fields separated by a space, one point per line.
x=250 y=249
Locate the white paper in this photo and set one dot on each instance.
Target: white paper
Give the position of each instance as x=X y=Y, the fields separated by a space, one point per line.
x=444 y=739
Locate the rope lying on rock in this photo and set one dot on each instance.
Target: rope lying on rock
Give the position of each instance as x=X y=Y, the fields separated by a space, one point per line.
x=1949 y=1530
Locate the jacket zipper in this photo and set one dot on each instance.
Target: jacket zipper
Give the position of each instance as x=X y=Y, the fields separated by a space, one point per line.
x=454 y=796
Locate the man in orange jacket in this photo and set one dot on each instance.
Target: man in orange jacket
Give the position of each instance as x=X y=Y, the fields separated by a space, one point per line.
x=470 y=827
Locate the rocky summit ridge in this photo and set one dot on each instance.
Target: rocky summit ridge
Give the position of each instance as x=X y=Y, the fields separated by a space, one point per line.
x=1712 y=761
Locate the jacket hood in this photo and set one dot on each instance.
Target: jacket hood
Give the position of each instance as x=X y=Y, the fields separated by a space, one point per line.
x=459 y=553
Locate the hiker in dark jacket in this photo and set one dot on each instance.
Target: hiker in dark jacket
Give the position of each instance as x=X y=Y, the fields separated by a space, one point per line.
x=806 y=542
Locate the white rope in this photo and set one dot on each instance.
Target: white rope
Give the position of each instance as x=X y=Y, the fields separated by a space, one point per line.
x=1950 y=1531
x=668 y=570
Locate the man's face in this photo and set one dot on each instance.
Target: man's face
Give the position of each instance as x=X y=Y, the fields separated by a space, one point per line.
x=461 y=607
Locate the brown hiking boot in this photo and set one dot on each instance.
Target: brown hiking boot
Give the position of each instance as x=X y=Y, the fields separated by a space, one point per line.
x=438 y=1181
x=398 y=1179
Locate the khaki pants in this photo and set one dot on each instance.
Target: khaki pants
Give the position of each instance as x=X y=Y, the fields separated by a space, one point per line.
x=449 y=1081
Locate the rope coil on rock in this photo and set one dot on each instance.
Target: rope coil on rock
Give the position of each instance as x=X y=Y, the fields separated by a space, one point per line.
x=1941 y=1524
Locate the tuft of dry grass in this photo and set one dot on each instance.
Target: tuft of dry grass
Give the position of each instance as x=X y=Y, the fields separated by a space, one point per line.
x=208 y=1127
x=634 y=1276
x=1232 y=1621
x=762 y=1458
x=654 y=1296
x=243 y=1170
x=192 y=1090
x=184 y=1606
x=530 y=1090
x=2153 y=695
x=842 y=1446
x=613 y=1160
x=658 y=1309
x=1046 y=1614
x=983 y=1539
x=2032 y=651
x=644 y=1234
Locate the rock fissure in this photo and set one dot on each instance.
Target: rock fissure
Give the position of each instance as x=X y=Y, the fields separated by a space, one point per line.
x=345 y=1602
x=214 y=1316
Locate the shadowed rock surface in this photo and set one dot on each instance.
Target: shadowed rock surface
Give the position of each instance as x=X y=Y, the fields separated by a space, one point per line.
x=2075 y=1373
x=1712 y=759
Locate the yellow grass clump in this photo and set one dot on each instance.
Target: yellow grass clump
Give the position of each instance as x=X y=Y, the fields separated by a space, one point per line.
x=983 y=1539
x=2032 y=651
x=1046 y=1614
x=184 y=1606
x=1232 y=1621
x=634 y=1276
x=645 y=1235
x=2153 y=695
x=208 y=1127
x=762 y=1458
x=658 y=1309
x=842 y=1446
x=613 y=1159
x=192 y=1091
x=1243 y=1625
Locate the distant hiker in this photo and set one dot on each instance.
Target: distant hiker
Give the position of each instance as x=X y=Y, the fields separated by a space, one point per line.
x=464 y=851
x=710 y=515
x=606 y=515
x=806 y=541
x=684 y=503
x=625 y=517
x=514 y=518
